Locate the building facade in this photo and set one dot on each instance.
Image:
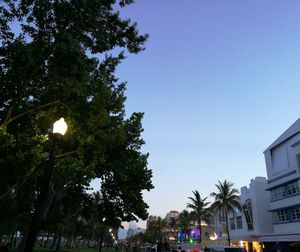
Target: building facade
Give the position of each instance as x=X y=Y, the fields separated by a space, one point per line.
x=282 y=159
x=249 y=225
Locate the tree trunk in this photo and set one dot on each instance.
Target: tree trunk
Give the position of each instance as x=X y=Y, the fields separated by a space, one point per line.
x=43 y=204
x=227 y=227
x=93 y=235
x=200 y=230
x=45 y=243
x=12 y=237
x=15 y=239
x=71 y=238
x=54 y=241
x=58 y=244
x=101 y=237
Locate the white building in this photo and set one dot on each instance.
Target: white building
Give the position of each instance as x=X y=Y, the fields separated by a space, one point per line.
x=283 y=169
x=255 y=219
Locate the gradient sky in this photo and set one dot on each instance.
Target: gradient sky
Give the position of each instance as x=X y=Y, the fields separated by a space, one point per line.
x=219 y=81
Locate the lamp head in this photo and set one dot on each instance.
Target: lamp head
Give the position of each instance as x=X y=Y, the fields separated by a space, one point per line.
x=60 y=127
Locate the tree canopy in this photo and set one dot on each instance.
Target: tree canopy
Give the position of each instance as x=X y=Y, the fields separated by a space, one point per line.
x=58 y=59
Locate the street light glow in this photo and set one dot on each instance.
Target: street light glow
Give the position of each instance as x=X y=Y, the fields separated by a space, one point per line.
x=60 y=127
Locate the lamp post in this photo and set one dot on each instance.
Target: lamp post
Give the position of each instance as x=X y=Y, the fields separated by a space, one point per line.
x=46 y=194
x=101 y=235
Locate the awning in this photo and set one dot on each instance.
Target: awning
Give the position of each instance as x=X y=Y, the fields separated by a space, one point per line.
x=280 y=237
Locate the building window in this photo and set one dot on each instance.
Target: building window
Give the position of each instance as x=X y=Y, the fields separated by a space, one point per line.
x=275 y=218
x=231 y=223
x=285 y=191
x=247 y=208
x=291 y=214
x=278 y=193
x=295 y=213
x=239 y=224
x=283 y=215
x=293 y=188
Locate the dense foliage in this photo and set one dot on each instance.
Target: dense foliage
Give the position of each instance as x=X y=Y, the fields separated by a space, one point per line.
x=56 y=61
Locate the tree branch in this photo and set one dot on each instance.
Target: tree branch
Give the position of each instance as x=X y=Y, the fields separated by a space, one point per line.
x=35 y=109
x=33 y=170
x=30 y=172
x=19 y=95
x=67 y=153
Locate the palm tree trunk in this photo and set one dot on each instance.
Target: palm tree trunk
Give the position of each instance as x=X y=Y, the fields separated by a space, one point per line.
x=227 y=227
x=200 y=230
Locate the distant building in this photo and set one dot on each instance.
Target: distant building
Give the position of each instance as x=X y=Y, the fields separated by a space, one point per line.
x=172 y=215
x=151 y=218
x=131 y=232
x=283 y=169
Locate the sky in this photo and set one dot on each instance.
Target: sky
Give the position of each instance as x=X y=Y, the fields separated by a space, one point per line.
x=218 y=82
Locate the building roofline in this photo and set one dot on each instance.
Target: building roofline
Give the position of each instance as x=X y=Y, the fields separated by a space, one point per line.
x=290 y=132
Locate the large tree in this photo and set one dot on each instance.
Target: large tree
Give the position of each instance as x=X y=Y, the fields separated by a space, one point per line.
x=58 y=59
x=226 y=199
x=200 y=210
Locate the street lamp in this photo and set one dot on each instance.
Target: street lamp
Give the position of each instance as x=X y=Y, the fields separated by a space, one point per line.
x=102 y=233
x=45 y=196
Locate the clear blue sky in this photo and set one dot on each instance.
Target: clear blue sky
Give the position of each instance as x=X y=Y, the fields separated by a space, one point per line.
x=219 y=81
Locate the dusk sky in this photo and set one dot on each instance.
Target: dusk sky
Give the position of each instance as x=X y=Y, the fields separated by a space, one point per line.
x=218 y=82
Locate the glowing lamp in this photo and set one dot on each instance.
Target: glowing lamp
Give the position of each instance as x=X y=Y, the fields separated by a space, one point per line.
x=60 y=127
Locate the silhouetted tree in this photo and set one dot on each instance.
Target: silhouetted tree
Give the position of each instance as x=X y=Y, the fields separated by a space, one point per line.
x=226 y=199
x=200 y=210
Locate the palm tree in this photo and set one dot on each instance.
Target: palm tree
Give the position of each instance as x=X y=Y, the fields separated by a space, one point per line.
x=183 y=221
x=200 y=210
x=226 y=200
